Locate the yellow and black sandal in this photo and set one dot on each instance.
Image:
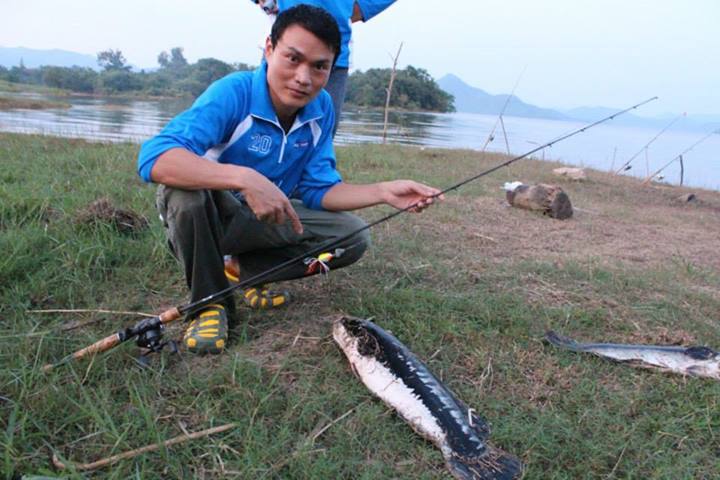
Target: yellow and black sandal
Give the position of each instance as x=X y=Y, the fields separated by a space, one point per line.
x=261 y=298
x=208 y=332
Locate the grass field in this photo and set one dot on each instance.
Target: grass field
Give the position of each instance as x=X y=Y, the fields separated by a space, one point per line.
x=470 y=286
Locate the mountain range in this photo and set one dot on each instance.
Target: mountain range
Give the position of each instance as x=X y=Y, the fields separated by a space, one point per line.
x=33 y=58
x=475 y=100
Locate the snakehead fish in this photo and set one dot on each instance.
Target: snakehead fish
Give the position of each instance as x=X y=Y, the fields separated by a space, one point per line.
x=394 y=374
x=695 y=361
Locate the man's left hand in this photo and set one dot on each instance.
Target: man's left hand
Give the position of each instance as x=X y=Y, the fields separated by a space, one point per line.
x=403 y=193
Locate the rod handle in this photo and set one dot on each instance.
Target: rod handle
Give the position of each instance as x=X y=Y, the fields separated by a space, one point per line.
x=100 y=346
x=111 y=341
x=169 y=315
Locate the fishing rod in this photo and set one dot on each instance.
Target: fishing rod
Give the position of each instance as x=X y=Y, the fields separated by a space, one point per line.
x=149 y=331
x=650 y=177
x=627 y=164
x=491 y=135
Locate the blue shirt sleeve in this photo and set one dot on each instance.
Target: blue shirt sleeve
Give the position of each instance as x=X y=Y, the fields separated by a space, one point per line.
x=320 y=173
x=209 y=122
x=370 y=8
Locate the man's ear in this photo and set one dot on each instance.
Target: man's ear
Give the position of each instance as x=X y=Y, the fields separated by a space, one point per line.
x=268 y=47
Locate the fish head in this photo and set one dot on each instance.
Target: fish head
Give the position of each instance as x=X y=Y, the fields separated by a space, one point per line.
x=355 y=335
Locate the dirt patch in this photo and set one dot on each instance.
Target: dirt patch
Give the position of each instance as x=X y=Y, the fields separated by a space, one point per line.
x=541 y=379
x=102 y=211
x=612 y=223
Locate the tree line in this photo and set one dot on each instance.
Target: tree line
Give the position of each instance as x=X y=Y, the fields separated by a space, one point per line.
x=414 y=88
x=176 y=76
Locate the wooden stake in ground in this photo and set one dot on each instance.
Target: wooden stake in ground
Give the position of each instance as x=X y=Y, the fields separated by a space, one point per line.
x=148 y=448
x=491 y=135
x=682 y=170
x=388 y=92
x=507 y=144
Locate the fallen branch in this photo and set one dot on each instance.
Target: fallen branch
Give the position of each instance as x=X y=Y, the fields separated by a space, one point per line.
x=322 y=430
x=78 y=324
x=116 y=312
x=134 y=453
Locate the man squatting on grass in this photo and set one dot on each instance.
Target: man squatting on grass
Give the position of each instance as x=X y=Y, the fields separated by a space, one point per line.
x=249 y=171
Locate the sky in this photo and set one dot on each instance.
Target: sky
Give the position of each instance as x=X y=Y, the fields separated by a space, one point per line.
x=566 y=53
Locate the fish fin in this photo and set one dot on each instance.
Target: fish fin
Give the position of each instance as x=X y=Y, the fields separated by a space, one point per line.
x=562 y=342
x=480 y=425
x=477 y=422
x=701 y=353
x=495 y=464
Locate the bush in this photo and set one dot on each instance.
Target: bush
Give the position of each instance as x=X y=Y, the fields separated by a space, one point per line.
x=413 y=89
x=75 y=78
x=114 y=81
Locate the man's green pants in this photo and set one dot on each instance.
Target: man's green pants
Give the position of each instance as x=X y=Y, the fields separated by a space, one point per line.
x=204 y=225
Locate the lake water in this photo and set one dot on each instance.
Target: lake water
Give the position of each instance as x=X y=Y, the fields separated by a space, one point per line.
x=604 y=147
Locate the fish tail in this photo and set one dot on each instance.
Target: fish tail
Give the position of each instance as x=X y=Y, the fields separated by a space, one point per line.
x=562 y=342
x=495 y=464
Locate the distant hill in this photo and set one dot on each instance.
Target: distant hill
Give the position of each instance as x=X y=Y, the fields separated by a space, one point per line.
x=474 y=100
x=32 y=58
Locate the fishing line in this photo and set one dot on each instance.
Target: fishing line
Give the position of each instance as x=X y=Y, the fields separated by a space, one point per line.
x=491 y=136
x=259 y=278
x=687 y=150
x=625 y=165
x=149 y=330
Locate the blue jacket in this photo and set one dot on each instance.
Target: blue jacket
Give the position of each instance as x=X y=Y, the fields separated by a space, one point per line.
x=342 y=10
x=234 y=121
x=370 y=8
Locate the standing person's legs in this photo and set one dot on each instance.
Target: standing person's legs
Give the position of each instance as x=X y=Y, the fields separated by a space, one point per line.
x=336 y=87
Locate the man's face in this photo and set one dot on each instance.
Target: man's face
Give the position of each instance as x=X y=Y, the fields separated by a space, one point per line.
x=298 y=67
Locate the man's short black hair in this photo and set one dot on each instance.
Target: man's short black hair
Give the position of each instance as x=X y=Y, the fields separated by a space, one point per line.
x=313 y=19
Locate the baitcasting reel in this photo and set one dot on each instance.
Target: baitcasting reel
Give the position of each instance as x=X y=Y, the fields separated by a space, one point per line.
x=150 y=340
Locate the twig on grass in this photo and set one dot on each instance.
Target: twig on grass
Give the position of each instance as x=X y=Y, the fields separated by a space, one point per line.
x=326 y=427
x=134 y=453
x=115 y=312
x=78 y=324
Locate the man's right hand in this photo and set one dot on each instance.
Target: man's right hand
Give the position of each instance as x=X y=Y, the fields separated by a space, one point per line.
x=180 y=168
x=268 y=202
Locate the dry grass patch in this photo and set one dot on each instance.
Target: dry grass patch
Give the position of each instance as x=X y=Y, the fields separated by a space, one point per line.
x=7 y=103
